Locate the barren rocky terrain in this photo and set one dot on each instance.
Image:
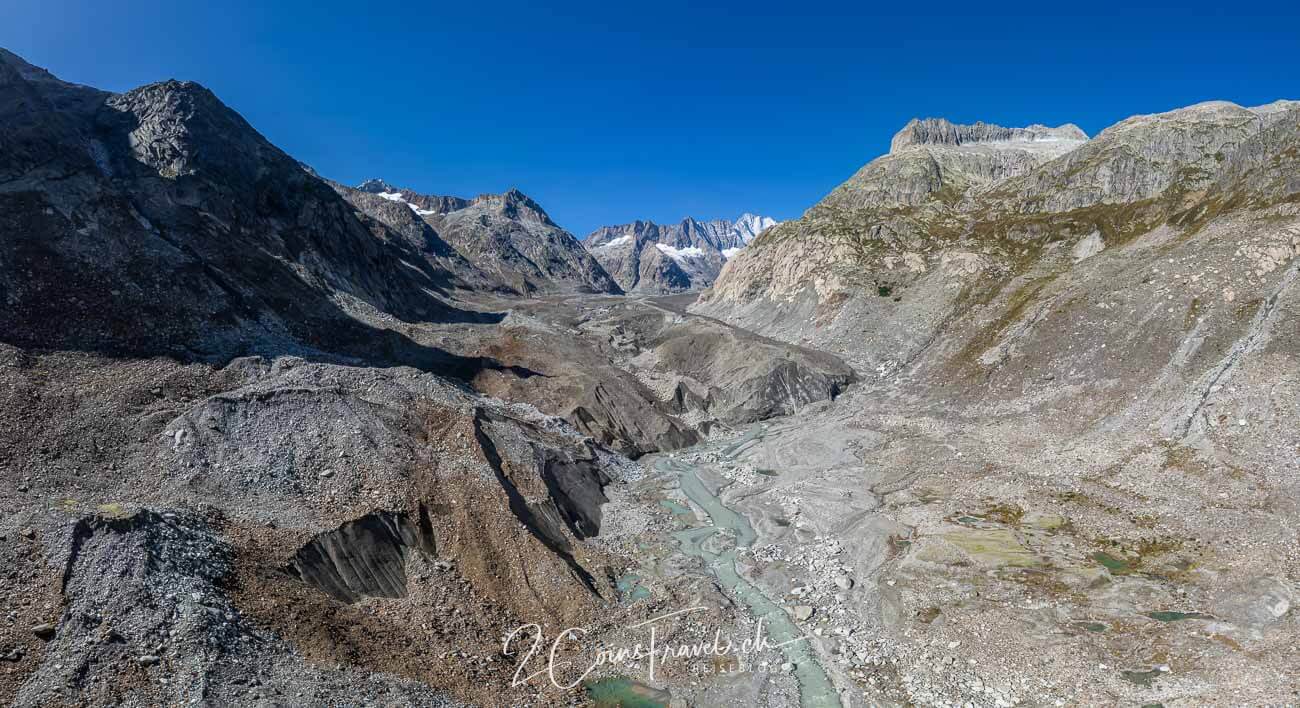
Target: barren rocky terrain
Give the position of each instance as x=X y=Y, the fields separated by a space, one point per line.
x=1009 y=418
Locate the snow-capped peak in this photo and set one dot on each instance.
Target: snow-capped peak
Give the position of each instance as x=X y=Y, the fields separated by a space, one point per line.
x=749 y=226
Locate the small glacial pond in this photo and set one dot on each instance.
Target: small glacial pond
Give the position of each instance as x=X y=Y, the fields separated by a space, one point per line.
x=626 y=693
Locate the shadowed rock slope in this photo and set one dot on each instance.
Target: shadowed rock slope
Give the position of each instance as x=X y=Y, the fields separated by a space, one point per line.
x=159 y=221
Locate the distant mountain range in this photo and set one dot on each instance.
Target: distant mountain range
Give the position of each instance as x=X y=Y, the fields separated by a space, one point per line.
x=647 y=257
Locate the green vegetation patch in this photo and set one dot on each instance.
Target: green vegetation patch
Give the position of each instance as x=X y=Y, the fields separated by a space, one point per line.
x=1140 y=678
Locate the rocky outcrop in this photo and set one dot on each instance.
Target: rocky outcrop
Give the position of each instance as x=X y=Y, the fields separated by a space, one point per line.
x=934 y=160
x=1266 y=168
x=1137 y=159
x=938 y=131
x=736 y=379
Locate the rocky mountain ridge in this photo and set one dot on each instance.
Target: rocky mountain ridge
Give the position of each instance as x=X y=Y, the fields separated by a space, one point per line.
x=953 y=216
x=1082 y=363
x=507 y=237
x=232 y=248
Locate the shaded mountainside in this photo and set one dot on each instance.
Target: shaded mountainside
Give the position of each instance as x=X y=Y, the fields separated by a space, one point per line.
x=651 y=258
x=159 y=221
x=509 y=238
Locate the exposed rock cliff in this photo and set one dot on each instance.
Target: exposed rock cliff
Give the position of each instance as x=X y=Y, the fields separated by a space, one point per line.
x=938 y=131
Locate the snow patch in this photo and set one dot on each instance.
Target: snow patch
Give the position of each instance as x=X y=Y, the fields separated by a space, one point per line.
x=730 y=253
x=393 y=196
x=616 y=242
x=679 y=254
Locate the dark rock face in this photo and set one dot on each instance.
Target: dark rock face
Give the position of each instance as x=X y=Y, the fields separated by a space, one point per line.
x=366 y=557
x=630 y=423
x=382 y=214
x=571 y=493
x=658 y=272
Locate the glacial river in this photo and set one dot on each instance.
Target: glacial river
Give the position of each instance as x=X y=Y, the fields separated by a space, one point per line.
x=815 y=688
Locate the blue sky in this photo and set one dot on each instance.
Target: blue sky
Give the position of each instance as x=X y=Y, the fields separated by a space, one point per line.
x=606 y=112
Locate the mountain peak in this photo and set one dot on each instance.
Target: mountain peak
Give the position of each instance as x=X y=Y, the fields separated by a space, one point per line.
x=940 y=131
x=376 y=186
x=516 y=205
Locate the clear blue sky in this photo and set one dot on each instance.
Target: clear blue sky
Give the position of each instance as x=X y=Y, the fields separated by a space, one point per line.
x=606 y=113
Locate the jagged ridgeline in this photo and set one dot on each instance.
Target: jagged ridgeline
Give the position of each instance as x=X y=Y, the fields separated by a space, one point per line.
x=646 y=257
